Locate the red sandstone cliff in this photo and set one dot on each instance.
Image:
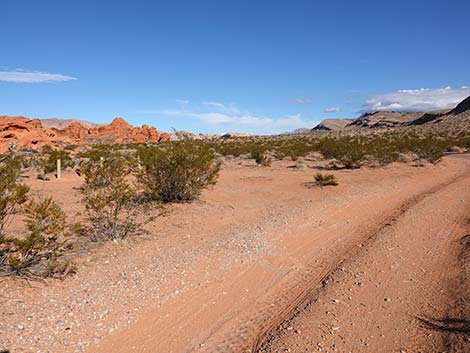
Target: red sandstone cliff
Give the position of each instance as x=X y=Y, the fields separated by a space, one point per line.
x=30 y=133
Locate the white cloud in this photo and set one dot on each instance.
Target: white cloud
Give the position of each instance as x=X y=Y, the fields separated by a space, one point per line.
x=211 y=117
x=302 y=100
x=20 y=76
x=182 y=102
x=423 y=99
x=332 y=110
x=221 y=107
x=233 y=120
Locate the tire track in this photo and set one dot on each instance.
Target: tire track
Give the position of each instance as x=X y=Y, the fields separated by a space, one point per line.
x=392 y=220
x=286 y=299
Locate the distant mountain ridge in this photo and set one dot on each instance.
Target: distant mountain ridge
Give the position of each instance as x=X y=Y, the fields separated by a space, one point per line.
x=462 y=107
x=59 y=124
x=332 y=124
x=391 y=119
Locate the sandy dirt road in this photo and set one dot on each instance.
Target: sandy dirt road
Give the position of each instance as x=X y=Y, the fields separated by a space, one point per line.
x=261 y=250
x=407 y=289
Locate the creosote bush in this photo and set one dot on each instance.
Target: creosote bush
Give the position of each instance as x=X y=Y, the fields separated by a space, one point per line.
x=39 y=252
x=12 y=192
x=344 y=151
x=49 y=162
x=348 y=152
x=325 y=180
x=261 y=158
x=112 y=203
x=176 y=171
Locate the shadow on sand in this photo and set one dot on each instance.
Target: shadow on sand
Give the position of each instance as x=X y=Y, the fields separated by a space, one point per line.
x=447 y=324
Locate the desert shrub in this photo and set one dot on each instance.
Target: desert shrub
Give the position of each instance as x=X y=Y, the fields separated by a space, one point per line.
x=429 y=149
x=12 y=192
x=349 y=152
x=261 y=158
x=111 y=201
x=38 y=253
x=177 y=171
x=381 y=151
x=325 y=179
x=97 y=152
x=49 y=163
x=294 y=148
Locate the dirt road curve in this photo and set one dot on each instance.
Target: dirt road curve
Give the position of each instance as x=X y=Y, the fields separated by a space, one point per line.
x=377 y=264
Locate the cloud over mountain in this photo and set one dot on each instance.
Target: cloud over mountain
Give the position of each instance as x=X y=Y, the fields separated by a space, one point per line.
x=424 y=99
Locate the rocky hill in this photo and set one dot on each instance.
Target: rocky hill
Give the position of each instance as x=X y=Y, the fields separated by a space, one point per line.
x=383 y=119
x=391 y=119
x=462 y=107
x=32 y=133
x=332 y=124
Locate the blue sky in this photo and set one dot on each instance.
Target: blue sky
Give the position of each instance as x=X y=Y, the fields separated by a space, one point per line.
x=216 y=66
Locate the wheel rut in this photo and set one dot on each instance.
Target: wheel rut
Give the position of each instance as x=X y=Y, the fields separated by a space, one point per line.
x=370 y=319
x=287 y=297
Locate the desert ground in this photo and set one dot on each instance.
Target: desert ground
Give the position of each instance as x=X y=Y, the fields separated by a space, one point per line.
x=264 y=262
x=234 y=176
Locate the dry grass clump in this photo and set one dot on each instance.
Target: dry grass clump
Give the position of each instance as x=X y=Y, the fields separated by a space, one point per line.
x=325 y=180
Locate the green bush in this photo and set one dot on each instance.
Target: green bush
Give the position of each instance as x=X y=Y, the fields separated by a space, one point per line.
x=261 y=158
x=325 y=180
x=176 y=171
x=349 y=152
x=49 y=163
x=428 y=149
x=111 y=201
x=38 y=254
x=12 y=192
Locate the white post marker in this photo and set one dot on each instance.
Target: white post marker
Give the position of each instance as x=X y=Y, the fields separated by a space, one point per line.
x=58 y=169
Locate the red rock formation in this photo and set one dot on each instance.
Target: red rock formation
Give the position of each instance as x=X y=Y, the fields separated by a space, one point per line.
x=75 y=131
x=119 y=130
x=164 y=137
x=26 y=133
x=30 y=133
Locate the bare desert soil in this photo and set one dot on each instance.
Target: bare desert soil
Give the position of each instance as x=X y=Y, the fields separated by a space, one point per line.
x=265 y=263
